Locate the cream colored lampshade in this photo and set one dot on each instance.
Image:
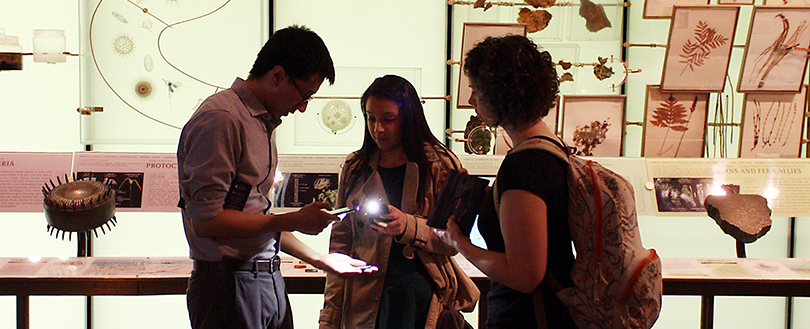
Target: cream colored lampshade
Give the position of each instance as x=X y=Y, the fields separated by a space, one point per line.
x=49 y=46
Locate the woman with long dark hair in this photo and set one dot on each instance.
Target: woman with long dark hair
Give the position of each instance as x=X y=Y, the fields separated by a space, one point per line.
x=402 y=162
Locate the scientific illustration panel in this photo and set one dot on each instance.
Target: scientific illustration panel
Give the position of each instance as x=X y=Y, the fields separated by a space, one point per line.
x=150 y=63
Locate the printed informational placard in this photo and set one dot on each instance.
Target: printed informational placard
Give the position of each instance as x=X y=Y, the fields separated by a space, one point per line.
x=23 y=175
x=142 y=181
x=303 y=179
x=783 y=182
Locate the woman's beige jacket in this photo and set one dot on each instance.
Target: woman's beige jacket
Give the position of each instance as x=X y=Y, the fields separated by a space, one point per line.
x=352 y=302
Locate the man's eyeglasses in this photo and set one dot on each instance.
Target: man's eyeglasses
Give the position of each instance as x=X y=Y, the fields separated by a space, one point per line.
x=307 y=98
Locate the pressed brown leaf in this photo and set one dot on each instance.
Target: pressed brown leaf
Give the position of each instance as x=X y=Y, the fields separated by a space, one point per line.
x=536 y=20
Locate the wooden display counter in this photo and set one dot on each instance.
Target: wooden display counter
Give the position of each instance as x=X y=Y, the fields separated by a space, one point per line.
x=94 y=276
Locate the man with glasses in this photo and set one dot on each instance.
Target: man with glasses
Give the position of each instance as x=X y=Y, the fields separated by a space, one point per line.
x=226 y=164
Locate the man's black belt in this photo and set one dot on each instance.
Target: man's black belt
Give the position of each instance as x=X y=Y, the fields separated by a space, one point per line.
x=238 y=265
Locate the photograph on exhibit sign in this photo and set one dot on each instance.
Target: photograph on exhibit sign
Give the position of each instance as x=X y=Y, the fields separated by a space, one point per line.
x=682 y=194
x=674 y=124
x=777 y=48
x=663 y=8
x=699 y=48
x=594 y=125
x=474 y=33
x=296 y=190
x=772 y=125
x=128 y=186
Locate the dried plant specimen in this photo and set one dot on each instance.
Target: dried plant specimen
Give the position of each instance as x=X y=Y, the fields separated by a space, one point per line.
x=776 y=52
x=778 y=119
x=695 y=53
x=540 y=3
x=602 y=71
x=672 y=115
x=567 y=76
x=482 y=4
x=594 y=15
x=589 y=136
x=535 y=20
x=564 y=65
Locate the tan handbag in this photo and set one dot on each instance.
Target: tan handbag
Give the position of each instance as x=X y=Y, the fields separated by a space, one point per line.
x=466 y=296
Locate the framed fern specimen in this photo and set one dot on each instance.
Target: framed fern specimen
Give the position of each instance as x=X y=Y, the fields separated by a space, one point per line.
x=594 y=124
x=674 y=124
x=776 y=55
x=663 y=8
x=699 y=48
x=772 y=124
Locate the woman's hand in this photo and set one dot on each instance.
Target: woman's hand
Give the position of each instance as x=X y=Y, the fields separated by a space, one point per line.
x=392 y=223
x=452 y=235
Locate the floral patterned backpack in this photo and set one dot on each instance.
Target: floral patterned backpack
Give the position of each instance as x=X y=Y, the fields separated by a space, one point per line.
x=617 y=282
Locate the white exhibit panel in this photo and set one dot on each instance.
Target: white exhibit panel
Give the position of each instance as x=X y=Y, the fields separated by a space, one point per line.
x=149 y=64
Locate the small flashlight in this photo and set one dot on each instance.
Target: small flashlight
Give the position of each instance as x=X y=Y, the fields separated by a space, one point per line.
x=374 y=208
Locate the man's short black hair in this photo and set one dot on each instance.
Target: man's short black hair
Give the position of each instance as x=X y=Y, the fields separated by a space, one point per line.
x=299 y=51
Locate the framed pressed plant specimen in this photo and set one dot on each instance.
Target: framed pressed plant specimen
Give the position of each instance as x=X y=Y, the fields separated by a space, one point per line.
x=663 y=8
x=772 y=124
x=699 y=48
x=783 y=3
x=594 y=124
x=474 y=33
x=674 y=124
x=776 y=55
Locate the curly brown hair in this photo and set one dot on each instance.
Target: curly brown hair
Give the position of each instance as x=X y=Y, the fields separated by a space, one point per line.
x=513 y=78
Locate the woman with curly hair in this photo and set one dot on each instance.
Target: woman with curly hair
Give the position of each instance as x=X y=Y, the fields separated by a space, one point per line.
x=527 y=237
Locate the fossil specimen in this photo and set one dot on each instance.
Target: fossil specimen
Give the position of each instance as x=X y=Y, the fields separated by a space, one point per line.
x=746 y=217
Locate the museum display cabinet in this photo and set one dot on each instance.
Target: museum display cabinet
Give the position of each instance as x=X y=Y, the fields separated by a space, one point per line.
x=678 y=96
